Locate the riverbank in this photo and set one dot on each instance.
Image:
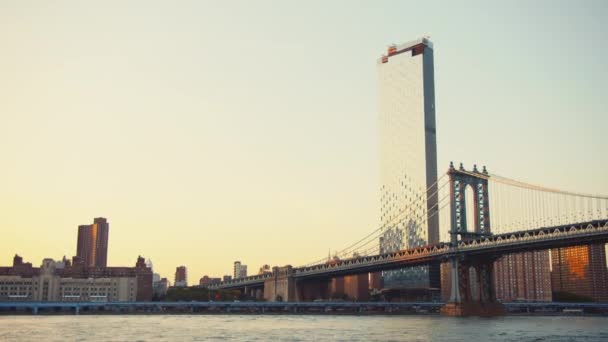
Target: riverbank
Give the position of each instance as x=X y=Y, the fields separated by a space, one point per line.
x=283 y=308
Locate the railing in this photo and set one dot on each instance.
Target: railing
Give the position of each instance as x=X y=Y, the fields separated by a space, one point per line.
x=403 y=255
x=548 y=233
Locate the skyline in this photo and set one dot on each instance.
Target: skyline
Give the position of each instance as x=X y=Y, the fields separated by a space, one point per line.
x=301 y=171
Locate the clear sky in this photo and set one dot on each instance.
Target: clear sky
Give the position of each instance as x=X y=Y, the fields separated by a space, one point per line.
x=208 y=132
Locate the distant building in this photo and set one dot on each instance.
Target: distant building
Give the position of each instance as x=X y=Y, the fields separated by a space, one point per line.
x=265 y=269
x=240 y=270
x=92 y=248
x=523 y=277
x=227 y=278
x=160 y=287
x=580 y=270
x=181 y=277
x=61 y=281
x=206 y=281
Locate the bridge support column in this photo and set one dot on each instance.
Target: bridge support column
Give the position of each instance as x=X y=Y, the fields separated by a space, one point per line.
x=462 y=302
x=455 y=287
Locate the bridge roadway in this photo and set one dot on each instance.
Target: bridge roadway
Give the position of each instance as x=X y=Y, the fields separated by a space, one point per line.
x=268 y=307
x=489 y=246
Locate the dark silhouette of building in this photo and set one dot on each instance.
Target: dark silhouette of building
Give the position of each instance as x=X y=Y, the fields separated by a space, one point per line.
x=92 y=249
x=580 y=271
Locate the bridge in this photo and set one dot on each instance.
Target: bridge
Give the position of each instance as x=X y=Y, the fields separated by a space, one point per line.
x=476 y=229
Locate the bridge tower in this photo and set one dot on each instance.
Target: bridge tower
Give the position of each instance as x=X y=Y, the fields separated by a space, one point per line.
x=470 y=295
x=460 y=179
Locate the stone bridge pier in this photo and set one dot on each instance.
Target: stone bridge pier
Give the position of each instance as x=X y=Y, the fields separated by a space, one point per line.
x=281 y=286
x=471 y=285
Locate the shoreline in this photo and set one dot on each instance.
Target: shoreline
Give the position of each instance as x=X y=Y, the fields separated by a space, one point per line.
x=286 y=308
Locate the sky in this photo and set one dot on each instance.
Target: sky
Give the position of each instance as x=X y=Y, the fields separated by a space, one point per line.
x=214 y=131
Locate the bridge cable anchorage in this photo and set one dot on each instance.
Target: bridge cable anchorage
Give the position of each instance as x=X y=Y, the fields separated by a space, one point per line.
x=374 y=235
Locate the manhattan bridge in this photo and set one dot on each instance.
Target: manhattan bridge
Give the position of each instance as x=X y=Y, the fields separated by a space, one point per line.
x=481 y=216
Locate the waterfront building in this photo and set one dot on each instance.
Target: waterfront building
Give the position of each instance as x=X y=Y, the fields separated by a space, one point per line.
x=92 y=246
x=239 y=270
x=227 y=278
x=181 y=277
x=206 y=281
x=60 y=281
x=408 y=158
x=523 y=277
x=580 y=271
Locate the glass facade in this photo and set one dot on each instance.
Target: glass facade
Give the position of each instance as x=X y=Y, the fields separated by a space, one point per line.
x=408 y=157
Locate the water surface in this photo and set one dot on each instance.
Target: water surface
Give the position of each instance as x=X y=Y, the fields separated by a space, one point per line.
x=300 y=328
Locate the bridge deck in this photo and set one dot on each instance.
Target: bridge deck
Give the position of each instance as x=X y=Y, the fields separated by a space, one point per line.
x=497 y=245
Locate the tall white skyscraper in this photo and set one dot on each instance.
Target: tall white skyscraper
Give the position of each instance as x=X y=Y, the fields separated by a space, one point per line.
x=239 y=270
x=408 y=157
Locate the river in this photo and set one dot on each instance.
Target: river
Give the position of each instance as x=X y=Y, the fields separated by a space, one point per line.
x=300 y=328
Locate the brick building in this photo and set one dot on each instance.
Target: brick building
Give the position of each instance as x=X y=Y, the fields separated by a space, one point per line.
x=580 y=270
x=65 y=281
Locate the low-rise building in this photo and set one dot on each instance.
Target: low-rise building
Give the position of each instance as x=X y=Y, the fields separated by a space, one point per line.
x=206 y=281
x=61 y=281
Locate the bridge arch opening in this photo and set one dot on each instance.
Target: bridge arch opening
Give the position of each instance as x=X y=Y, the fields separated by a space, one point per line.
x=469 y=203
